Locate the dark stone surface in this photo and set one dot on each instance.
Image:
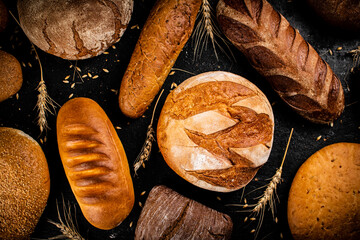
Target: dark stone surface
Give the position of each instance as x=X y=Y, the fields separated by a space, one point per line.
x=21 y=113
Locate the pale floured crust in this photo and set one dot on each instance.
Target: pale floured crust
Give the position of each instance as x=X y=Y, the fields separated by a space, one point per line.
x=324 y=199
x=215 y=130
x=74 y=29
x=95 y=163
x=24 y=184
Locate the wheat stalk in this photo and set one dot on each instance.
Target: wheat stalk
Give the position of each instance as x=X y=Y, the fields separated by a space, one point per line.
x=66 y=226
x=206 y=29
x=147 y=146
x=356 y=58
x=44 y=102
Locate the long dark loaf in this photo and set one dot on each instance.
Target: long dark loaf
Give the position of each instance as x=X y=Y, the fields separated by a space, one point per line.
x=279 y=53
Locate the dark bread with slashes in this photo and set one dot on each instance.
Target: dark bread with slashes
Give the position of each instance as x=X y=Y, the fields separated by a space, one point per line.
x=169 y=215
x=164 y=35
x=279 y=53
x=95 y=163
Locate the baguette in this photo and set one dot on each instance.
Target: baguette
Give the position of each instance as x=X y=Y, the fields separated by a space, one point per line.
x=164 y=35
x=95 y=163
x=279 y=53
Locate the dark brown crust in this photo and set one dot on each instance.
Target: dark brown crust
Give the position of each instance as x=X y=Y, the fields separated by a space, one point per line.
x=11 y=77
x=165 y=33
x=4 y=16
x=280 y=54
x=169 y=215
x=95 y=163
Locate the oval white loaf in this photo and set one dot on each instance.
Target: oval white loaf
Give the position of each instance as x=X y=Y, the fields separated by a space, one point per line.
x=216 y=130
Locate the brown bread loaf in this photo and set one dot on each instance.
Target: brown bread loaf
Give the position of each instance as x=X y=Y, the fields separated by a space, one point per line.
x=169 y=215
x=339 y=13
x=279 y=53
x=95 y=163
x=74 y=29
x=4 y=16
x=24 y=184
x=324 y=199
x=164 y=35
x=216 y=130
x=11 y=77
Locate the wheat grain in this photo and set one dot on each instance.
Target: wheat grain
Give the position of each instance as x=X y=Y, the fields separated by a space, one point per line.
x=145 y=152
x=205 y=30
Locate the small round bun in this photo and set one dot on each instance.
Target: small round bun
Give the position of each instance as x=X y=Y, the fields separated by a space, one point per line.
x=343 y=14
x=216 y=130
x=11 y=78
x=24 y=184
x=74 y=29
x=324 y=199
x=4 y=16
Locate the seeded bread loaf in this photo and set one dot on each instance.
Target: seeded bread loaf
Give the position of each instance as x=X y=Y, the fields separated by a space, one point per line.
x=74 y=29
x=24 y=184
x=95 y=163
x=164 y=35
x=169 y=215
x=324 y=199
x=279 y=53
x=216 y=130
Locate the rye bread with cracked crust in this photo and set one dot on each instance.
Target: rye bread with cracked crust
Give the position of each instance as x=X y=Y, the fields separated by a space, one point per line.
x=24 y=184
x=169 y=215
x=95 y=163
x=74 y=29
x=11 y=77
x=162 y=38
x=279 y=53
x=324 y=198
x=216 y=130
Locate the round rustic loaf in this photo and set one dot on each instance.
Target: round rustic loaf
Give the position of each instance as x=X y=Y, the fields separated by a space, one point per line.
x=24 y=184
x=216 y=130
x=324 y=199
x=74 y=29
x=11 y=77
x=4 y=16
x=339 y=13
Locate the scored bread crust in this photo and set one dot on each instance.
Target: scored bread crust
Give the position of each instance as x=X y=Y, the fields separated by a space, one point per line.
x=279 y=53
x=324 y=198
x=216 y=130
x=95 y=163
x=162 y=38
x=74 y=29
x=24 y=184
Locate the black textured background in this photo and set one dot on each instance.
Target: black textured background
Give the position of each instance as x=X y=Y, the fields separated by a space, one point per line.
x=21 y=114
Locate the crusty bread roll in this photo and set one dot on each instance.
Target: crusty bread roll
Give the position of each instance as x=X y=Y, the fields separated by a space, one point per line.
x=324 y=199
x=95 y=163
x=164 y=35
x=279 y=53
x=11 y=77
x=24 y=184
x=169 y=215
x=216 y=130
x=4 y=16
x=339 y=13
x=74 y=29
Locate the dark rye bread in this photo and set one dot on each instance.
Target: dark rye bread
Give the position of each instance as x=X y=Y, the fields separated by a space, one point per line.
x=24 y=184
x=279 y=53
x=169 y=215
x=95 y=163
x=11 y=77
x=74 y=29
x=216 y=130
x=162 y=38
x=4 y=16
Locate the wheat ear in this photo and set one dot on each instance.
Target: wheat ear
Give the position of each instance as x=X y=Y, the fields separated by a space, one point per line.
x=206 y=29
x=66 y=226
x=145 y=152
x=356 y=58
x=44 y=102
